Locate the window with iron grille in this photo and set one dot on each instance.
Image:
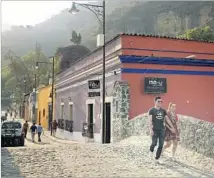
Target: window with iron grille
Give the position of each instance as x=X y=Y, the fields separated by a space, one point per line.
x=62 y=112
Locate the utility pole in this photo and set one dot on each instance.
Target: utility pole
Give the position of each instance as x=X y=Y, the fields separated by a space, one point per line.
x=37 y=51
x=52 y=89
x=34 y=100
x=99 y=11
x=23 y=111
x=52 y=95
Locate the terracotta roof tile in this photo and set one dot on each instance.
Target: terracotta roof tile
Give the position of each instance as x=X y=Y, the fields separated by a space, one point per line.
x=157 y=36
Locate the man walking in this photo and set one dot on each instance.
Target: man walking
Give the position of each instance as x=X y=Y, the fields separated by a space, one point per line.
x=157 y=117
x=33 y=129
x=39 y=131
x=25 y=128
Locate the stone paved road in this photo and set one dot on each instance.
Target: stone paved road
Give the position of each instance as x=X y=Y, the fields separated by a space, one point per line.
x=57 y=158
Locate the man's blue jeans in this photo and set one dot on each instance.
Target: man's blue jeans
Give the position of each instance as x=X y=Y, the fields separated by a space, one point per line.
x=159 y=136
x=39 y=136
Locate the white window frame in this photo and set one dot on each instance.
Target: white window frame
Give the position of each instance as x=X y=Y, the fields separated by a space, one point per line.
x=62 y=113
x=69 y=105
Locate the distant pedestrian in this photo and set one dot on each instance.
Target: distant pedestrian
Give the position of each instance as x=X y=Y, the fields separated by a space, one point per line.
x=39 y=131
x=33 y=129
x=25 y=128
x=170 y=137
x=54 y=126
x=6 y=115
x=157 y=117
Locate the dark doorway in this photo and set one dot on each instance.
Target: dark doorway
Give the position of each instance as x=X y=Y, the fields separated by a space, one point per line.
x=39 y=116
x=91 y=120
x=108 y=123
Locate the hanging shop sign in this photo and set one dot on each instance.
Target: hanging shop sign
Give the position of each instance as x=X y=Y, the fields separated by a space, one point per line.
x=93 y=84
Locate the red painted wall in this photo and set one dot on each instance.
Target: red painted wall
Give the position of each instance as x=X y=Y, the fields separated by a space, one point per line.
x=165 y=44
x=194 y=95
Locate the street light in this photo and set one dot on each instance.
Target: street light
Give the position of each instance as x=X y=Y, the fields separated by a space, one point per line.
x=26 y=90
x=25 y=86
x=99 y=11
x=37 y=65
x=74 y=9
x=52 y=89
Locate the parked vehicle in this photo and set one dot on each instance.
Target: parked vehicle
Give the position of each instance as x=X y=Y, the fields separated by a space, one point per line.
x=3 y=118
x=12 y=134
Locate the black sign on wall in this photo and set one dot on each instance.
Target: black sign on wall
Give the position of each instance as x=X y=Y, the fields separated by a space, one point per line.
x=93 y=84
x=155 y=85
x=93 y=94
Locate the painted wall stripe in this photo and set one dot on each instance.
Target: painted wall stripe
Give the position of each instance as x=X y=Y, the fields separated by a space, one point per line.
x=161 y=71
x=171 y=51
x=167 y=61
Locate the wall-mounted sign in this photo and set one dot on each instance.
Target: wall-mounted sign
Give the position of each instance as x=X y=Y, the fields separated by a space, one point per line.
x=155 y=85
x=93 y=94
x=94 y=84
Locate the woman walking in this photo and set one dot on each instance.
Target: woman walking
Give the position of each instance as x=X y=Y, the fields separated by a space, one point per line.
x=170 y=137
x=39 y=131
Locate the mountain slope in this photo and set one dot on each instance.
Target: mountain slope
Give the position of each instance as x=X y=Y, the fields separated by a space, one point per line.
x=163 y=18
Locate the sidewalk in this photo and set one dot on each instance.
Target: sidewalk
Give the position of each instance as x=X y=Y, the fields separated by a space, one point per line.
x=60 y=140
x=56 y=139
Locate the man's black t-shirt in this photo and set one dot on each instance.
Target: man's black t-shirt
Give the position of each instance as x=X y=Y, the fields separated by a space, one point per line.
x=33 y=128
x=158 y=116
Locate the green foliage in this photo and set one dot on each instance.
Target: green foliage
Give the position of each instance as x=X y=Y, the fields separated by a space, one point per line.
x=76 y=38
x=202 y=33
x=23 y=69
x=56 y=64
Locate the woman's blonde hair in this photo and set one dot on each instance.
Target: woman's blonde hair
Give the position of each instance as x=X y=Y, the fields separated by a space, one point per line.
x=170 y=105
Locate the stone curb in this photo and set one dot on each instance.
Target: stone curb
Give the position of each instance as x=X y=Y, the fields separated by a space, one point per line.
x=60 y=140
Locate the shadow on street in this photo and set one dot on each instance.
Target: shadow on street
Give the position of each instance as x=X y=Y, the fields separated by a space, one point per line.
x=37 y=143
x=206 y=174
x=8 y=167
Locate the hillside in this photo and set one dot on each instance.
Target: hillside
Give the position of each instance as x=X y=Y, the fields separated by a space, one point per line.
x=162 y=18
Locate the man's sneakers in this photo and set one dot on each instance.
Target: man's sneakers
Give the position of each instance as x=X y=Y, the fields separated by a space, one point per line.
x=157 y=161
x=153 y=159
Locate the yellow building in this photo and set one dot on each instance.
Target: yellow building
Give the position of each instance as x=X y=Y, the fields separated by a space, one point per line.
x=44 y=104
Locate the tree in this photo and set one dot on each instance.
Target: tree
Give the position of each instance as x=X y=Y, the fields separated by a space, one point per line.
x=5 y=94
x=76 y=39
x=70 y=54
x=23 y=68
x=201 y=33
x=79 y=39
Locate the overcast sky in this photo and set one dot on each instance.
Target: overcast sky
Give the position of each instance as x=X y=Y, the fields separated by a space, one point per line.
x=30 y=12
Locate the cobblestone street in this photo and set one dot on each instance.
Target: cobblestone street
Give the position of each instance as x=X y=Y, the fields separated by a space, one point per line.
x=61 y=158
x=107 y=88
